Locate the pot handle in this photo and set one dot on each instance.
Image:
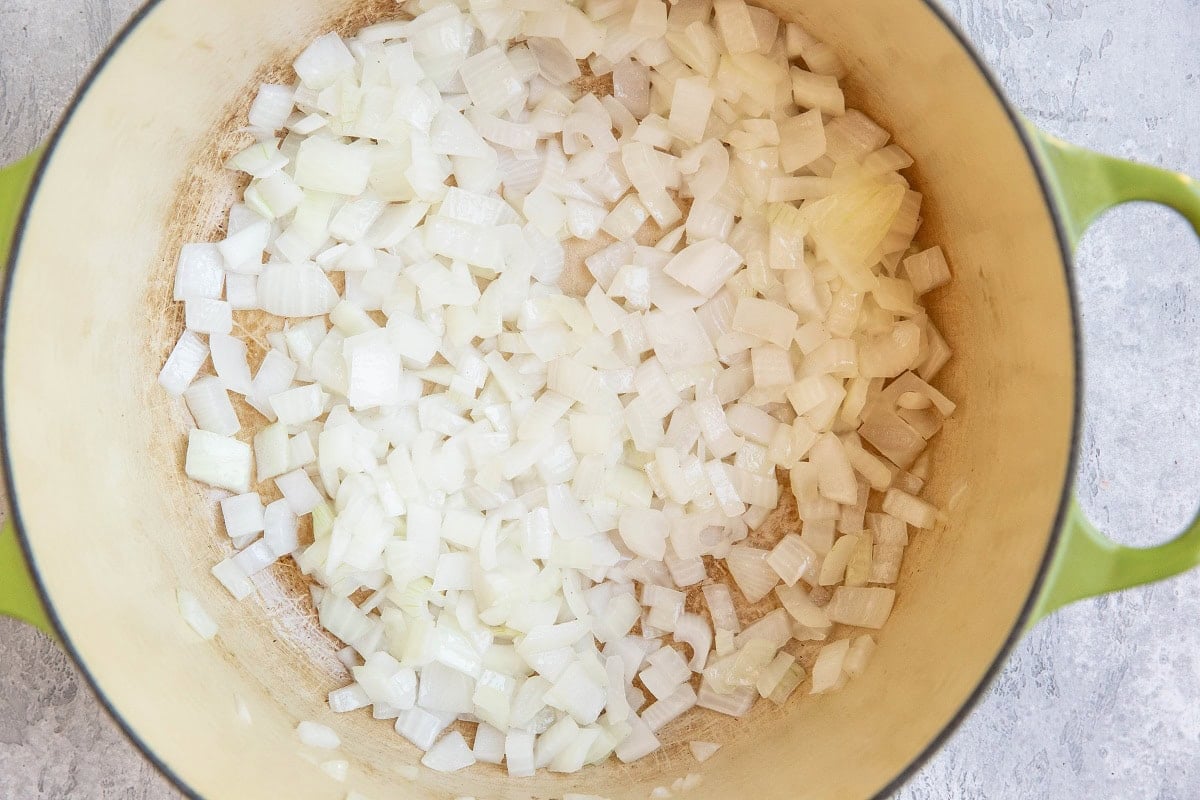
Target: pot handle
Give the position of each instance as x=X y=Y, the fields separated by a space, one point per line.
x=1086 y=184
x=18 y=595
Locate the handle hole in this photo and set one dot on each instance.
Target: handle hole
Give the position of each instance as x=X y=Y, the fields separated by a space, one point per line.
x=1138 y=284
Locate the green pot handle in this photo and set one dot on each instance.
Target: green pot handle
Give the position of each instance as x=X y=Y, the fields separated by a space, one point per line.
x=1086 y=184
x=18 y=596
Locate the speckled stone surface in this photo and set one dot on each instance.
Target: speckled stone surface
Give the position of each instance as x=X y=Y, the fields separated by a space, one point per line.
x=1100 y=701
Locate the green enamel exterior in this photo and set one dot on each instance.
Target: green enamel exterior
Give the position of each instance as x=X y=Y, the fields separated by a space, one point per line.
x=1085 y=185
x=18 y=596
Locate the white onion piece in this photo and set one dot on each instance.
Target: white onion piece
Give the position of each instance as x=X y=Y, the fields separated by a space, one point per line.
x=773 y=628
x=693 y=630
x=909 y=509
x=195 y=615
x=449 y=754
x=751 y=572
x=866 y=607
x=802 y=608
x=183 y=363
x=348 y=698
x=295 y=290
x=640 y=742
x=704 y=266
x=243 y=514
x=317 y=735
x=210 y=406
x=218 y=461
x=703 y=751
x=669 y=708
x=736 y=703
x=827 y=671
x=199 y=273
x=773 y=674
x=644 y=531
x=721 y=608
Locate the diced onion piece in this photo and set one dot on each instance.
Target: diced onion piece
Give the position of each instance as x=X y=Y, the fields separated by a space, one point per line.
x=243 y=514
x=295 y=290
x=721 y=608
x=861 y=650
x=491 y=80
x=835 y=476
x=765 y=320
x=210 y=406
x=703 y=751
x=827 y=672
x=183 y=363
x=735 y=26
x=801 y=140
x=736 y=703
x=750 y=570
x=669 y=708
x=911 y=510
x=449 y=754
x=194 y=614
x=927 y=270
x=233 y=578
x=691 y=105
x=787 y=684
x=323 y=61
x=325 y=165
x=705 y=266
x=218 y=461
x=866 y=607
x=833 y=568
x=802 y=608
x=792 y=559
x=641 y=742
x=642 y=166
x=817 y=92
x=317 y=735
x=771 y=675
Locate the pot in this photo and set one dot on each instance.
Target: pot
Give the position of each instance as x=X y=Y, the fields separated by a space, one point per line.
x=108 y=527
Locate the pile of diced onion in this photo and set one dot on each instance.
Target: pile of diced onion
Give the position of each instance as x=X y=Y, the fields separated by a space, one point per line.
x=515 y=491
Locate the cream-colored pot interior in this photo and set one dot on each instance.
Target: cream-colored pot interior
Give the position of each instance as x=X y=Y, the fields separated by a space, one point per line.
x=114 y=527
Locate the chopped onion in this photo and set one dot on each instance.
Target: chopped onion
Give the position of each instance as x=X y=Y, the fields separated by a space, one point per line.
x=449 y=754
x=721 y=608
x=867 y=607
x=909 y=509
x=317 y=735
x=792 y=560
x=218 y=461
x=827 y=671
x=861 y=650
x=503 y=457
x=183 y=363
x=194 y=614
x=751 y=571
x=703 y=751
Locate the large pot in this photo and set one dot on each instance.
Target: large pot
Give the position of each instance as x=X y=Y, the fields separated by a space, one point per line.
x=110 y=527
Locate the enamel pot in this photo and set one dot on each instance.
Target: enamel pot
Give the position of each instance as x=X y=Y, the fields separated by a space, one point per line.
x=107 y=526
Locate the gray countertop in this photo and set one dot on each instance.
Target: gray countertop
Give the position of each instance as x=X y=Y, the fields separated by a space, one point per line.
x=1100 y=701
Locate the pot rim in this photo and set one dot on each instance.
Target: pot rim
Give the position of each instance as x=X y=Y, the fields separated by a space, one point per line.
x=935 y=744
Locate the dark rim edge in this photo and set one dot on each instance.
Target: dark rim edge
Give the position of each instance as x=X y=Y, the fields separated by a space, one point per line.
x=934 y=745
